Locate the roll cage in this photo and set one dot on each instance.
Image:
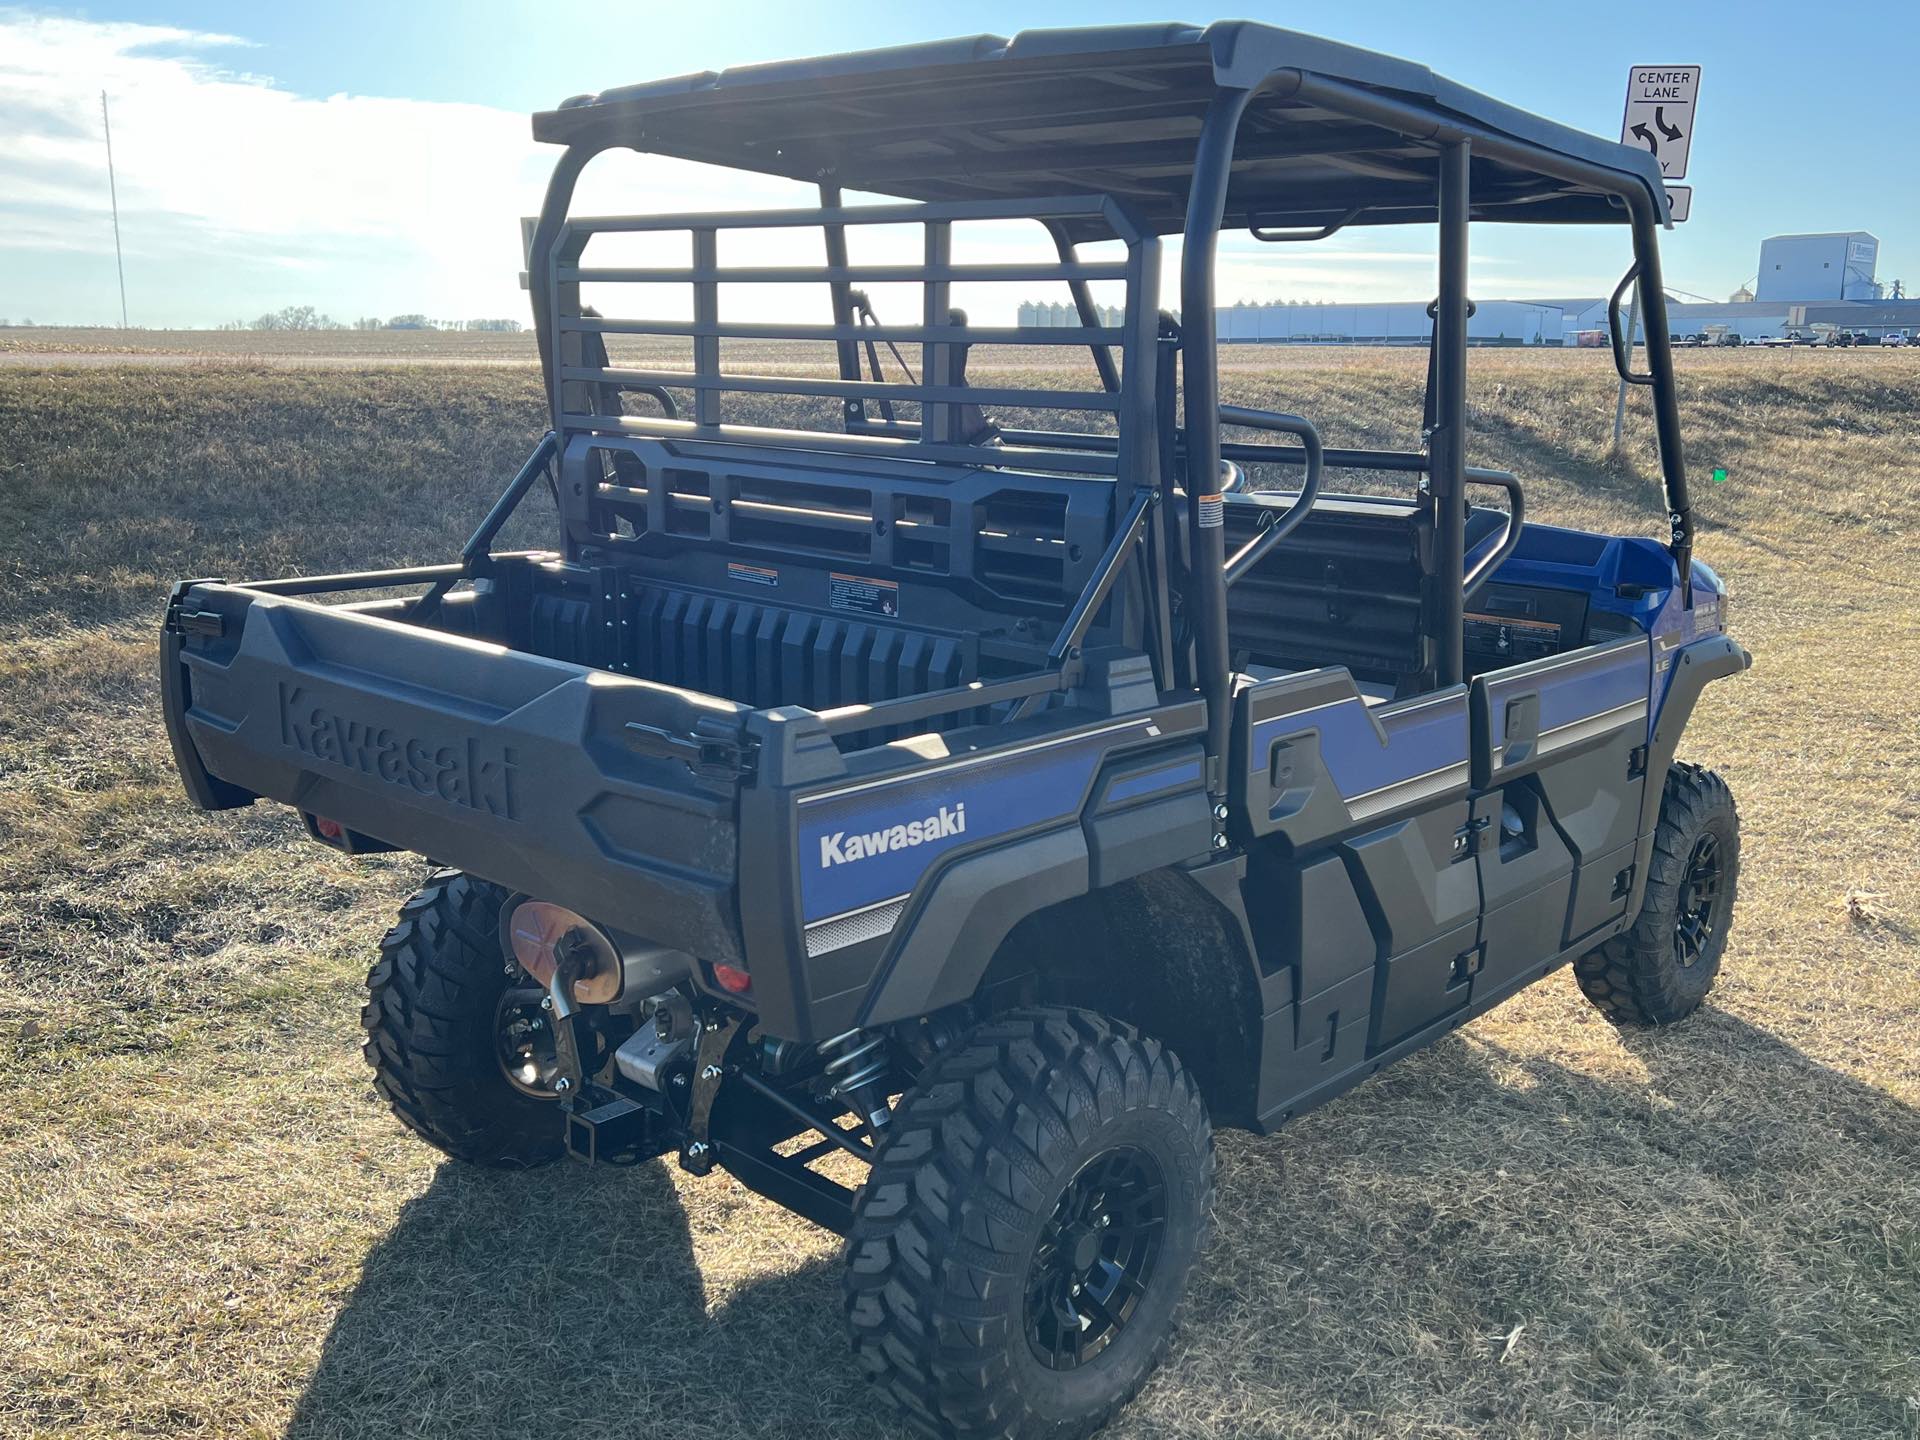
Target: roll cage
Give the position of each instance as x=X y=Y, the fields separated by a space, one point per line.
x=1119 y=133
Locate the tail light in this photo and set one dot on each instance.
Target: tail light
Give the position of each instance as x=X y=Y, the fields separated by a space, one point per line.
x=336 y=836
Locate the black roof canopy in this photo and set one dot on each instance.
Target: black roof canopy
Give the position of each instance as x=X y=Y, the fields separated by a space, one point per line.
x=1334 y=133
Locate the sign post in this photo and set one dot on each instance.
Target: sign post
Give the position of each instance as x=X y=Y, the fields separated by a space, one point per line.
x=1661 y=102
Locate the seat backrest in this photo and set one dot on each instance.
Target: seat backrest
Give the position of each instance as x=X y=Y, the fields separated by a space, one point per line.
x=1346 y=588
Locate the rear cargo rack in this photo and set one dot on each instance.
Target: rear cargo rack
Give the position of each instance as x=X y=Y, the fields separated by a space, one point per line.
x=587 y=387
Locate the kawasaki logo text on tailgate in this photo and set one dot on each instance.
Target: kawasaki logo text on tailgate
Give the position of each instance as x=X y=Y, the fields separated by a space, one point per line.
x=470 y=772
x=841 y=848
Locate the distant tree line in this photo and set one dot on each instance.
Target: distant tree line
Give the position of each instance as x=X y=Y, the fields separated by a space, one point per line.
x=305 y=317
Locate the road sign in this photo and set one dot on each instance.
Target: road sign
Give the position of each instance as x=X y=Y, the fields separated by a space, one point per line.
x=1679 y=202
x=1660 y=110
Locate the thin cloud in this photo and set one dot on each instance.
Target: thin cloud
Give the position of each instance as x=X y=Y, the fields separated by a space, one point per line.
x=222 y=173
x=239 y=195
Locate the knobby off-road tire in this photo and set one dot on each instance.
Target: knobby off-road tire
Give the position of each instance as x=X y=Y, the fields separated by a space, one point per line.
x=984 y=1205
x=1658 y=970
x=433 y=1004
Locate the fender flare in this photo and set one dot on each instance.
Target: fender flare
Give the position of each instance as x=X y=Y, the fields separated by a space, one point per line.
x=1694 y=667
x=969 y=911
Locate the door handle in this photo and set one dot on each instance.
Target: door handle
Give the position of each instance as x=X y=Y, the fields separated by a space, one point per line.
x=1519 y=730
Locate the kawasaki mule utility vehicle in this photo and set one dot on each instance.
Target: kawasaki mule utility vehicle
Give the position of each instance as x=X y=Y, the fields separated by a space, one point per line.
x=940 y=800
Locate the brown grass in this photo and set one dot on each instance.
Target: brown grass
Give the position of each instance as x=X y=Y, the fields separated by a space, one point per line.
x=84 y=345
x=1538 y=1227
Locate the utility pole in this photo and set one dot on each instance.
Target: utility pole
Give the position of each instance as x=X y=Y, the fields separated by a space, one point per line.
x=113 y=194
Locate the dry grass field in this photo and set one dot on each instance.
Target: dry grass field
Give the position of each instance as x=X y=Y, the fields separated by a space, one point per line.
x=80 y=346
x=1539 y=1227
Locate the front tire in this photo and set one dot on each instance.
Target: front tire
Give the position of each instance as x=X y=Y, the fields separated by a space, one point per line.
x=437 y=999
x=1659 y=970
x=1028 y=1230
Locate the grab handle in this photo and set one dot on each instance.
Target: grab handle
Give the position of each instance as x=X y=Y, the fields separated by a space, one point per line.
x=1250 y=554
x=1509 y=538
x=1623 y=347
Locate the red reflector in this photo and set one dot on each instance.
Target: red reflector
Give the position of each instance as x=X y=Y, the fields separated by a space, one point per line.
x=329 y=829
x=731 y=979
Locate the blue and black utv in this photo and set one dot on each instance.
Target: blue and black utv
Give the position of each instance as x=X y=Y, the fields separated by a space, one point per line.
x=971 y=785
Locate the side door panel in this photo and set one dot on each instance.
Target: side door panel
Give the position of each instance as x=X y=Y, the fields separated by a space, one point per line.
x=1557 y=749
x=1379 y=791
x=1422 y=896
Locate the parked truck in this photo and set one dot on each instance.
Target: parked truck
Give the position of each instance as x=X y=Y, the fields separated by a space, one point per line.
x=991 y=785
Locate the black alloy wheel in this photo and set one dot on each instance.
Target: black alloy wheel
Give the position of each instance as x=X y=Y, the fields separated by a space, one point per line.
x=1095 y=1261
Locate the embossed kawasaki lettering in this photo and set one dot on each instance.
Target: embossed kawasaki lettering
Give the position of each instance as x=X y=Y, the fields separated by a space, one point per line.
x=470 y=772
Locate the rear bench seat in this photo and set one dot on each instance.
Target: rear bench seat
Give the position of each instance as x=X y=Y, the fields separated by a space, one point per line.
x=1343 y=589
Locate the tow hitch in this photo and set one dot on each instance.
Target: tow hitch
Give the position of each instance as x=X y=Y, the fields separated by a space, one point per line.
x=608 y=1129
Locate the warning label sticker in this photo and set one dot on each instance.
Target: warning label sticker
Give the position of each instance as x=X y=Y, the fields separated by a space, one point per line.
x=864 y=594
x=764 y=575
x=1515 y=639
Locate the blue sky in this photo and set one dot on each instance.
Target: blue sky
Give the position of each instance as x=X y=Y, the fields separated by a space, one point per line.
x=372 y=157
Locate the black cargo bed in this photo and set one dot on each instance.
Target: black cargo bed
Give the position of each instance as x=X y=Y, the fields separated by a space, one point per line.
x=520 y=768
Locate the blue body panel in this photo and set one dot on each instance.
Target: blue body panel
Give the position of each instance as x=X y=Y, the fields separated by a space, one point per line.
x=1370 y=752
x=875 y=853
x=858 y=844
x=1629 y=585
x=1154 y=782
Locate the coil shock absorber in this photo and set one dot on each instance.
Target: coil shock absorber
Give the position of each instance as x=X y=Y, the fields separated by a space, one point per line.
x=856 y=1069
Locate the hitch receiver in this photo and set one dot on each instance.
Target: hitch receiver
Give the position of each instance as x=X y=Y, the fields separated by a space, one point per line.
x=609 y=1129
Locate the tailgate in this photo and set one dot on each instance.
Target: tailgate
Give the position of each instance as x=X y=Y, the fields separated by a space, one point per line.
x=509 y=765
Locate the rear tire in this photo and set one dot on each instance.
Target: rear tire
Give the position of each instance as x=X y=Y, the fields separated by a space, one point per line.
x=1659 y=970
x=432 y=1016
x=1028 y=1229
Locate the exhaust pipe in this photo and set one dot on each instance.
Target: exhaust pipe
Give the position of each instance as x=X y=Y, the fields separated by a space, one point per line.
x=606 y=964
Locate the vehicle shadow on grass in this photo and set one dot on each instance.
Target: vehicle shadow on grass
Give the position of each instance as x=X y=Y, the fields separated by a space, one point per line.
x=566 y=1300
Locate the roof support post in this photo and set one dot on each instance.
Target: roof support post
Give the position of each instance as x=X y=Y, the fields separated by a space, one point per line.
x=1666 y=402
x=939 y=421
x=1447 y=479
x=706 y=314
x=1088 y=312
x=553 y=215
x=848 y=351
x=1206 y=518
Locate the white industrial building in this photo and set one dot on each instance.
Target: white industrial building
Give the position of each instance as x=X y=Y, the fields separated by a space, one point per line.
x=1838 y=266
x=1750 y=319
x=1494 y=322
x=1832 y=274
x=1039 y=313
